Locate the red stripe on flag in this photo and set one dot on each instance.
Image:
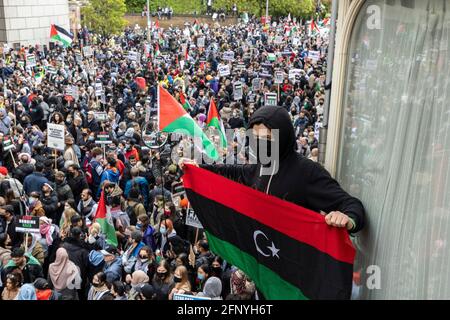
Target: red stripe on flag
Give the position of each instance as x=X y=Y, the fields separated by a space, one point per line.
x=299 y=223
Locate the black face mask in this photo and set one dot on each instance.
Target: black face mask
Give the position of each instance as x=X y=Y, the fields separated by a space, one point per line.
x=96 y=284
x=217 y=270
x=161 y=275
x=176 y=279
x=262 y=149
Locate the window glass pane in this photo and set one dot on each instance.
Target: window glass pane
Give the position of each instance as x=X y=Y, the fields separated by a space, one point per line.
x=395 y=146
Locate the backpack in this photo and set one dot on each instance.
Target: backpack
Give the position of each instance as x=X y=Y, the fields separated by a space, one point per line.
x=131 y=214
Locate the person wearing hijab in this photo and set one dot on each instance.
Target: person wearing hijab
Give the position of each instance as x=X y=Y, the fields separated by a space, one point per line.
x=241 y=285
x=212 y=289
x=137 y=278
x=27 y=292
x=64 y=276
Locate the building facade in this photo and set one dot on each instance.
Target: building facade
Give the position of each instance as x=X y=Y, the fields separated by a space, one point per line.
x=389 y=142
x=27 y=22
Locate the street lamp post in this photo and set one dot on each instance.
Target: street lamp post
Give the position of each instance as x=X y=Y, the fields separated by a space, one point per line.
x=149 y=28
x=267 y=11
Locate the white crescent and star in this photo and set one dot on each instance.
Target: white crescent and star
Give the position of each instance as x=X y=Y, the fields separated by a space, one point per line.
x=273 y=250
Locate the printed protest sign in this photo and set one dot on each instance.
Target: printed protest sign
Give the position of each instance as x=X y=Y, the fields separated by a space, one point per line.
x=237 y=91
x=55 y=136
x=224 y=70
x=31 y=60
x=270 y=99
x=28 y=224
x=192 y=220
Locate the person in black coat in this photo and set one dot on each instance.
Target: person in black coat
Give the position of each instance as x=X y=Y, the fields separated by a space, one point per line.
x=49 y=200
x=78 y=254
x=291 y=176
x=24 y=168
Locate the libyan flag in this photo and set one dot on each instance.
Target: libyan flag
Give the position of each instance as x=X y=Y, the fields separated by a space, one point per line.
x=60 y=34
x=103 y=217
x=288 y=251
x=173 y=118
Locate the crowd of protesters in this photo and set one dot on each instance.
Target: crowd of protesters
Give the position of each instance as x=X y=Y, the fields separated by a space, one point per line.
x=158 y=255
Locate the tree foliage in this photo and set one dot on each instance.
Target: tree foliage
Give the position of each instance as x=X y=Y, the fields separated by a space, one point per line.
x=297 y=8
x=105 y=16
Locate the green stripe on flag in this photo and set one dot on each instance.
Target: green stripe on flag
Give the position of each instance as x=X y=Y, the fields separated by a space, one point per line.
x=274 y=288
x=108 y=230
x=190 y=127
x=216 y=124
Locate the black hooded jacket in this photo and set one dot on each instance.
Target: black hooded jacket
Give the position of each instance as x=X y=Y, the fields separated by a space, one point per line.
x=295 y=178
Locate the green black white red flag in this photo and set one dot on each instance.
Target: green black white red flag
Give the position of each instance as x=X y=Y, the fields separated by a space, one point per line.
x=104 y=218
x=288 y=251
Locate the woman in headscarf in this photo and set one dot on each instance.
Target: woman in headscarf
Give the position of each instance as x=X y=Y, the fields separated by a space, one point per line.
x=49 y=240
x=241 y=285
x=27 y=292
x=64 y=276
x=212 y=289
x=138 y=278
x=34 y=247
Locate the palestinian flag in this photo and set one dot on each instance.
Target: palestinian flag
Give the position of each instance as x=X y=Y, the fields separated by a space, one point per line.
x=157 y=51
x=293 y=31
x=196 y=25
x=288 y=251
x=186 y=52
x=326 y=22
x=60 y=34
x=173 y=118
x=103 y=217
x=184 y=102
x=214 y=120
x=313 y=26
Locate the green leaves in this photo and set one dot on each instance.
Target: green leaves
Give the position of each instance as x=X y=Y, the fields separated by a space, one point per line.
x=299 y=8
x=105 y=16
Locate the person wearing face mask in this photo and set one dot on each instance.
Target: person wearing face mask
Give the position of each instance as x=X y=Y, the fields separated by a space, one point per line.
x=167 y=233
x=181 y=280
x=63 y=191
x=146 y=261
x=236 y=120
x=99 y=290
x=163 y=280
x=76 y=180
x=97 y=169
x=147 y=231
x=132 y=249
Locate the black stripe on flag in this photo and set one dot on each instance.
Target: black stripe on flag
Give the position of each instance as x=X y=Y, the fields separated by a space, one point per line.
x=64 y=31
x=316 y=274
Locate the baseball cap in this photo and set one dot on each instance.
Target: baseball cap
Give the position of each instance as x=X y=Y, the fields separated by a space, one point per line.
x=109 y=251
